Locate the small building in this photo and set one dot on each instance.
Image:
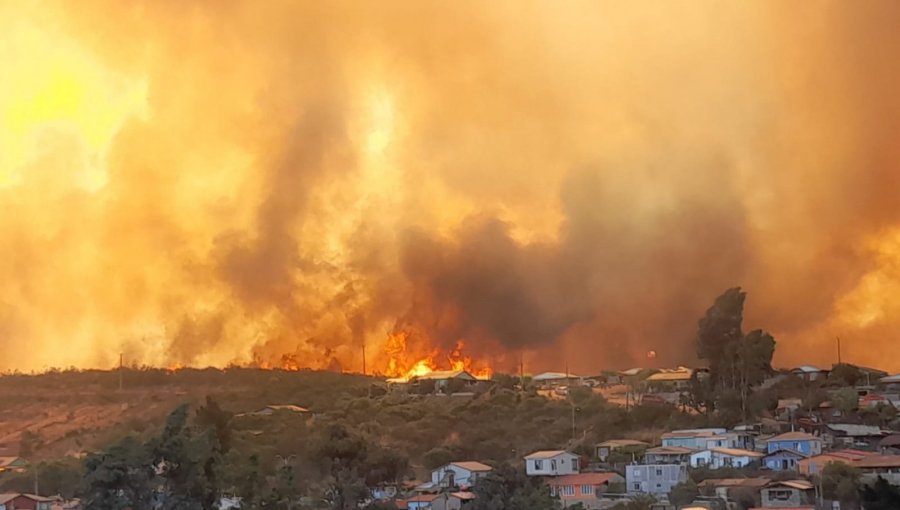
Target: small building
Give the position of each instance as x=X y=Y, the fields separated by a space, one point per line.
x=806 y=444
x=442 y=379
x=890 y=444
x=12 y=464
x=677 y=379
x=810 y=372
x=885 y=466
x=459 y=474
x=668 y=455
x=815 y=464
x=716 y=458
x=788 y=494
x=551 y=463
x=280 y=408
x=584 y=488
x=18 y=501
x=656 y=479
x=552 y=379
x=607 y=447
x=853 y=435
x=730 y=489
x=692 y=438
x=783 y=460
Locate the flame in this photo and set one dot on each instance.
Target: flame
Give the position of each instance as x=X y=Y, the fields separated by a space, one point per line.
x=401 y=365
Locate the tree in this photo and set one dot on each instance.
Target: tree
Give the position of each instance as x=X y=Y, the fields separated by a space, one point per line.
x=737 y=362
x=845 y=374
x=119 y=478
x=437 y=457
x=845 y=400
x=684 y=493
x=880 y=496
x=839 y=483
x=506 y=487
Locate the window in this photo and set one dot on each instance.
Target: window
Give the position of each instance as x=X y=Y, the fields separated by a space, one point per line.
x=553 y=490
x=636 y=486
x=636 y=472
x=586 y=490
x=728 y=461
x=538 y=465
x=658 y=471
x=797 y=446
x=701 y=461
x=574 y=464
x=568 y=490
x=553 y=465
x=780 y=495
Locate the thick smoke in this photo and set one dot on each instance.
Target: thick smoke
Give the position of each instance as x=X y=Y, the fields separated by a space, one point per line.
x=285 y=182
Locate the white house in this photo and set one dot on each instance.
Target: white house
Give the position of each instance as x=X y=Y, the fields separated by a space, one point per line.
x=551 y=463
x=459 y=474
x=691 y=438
x=716 y=458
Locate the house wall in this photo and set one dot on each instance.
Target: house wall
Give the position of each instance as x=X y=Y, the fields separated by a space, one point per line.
x=776 y=462
x=654 y=478
x=460 y=476
x=563 y=464
x=23 y=503
x=806 y=447
x=715 y=460
x=783 y=497
x=446 y=502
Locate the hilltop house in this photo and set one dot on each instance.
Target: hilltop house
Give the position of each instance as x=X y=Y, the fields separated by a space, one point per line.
x=657 y=479
x=607 y=447
x=552 y=379
x=584 y=488
x=443 y=379
x=693 y=438
x=783 y=460
x=551 y=463
x=859 y=436
x=668 y=455
x=12 y=464
x=715 y=458
x=810 y=373
x=459 y=474
x=788 y=494
x=678 y=379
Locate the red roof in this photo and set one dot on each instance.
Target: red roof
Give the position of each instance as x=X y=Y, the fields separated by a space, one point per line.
x=584 y=479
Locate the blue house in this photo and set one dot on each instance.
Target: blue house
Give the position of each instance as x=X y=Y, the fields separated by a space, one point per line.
x=800 y=442
x=783 y=460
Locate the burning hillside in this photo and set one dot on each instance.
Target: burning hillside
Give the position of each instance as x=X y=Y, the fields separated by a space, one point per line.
x=281 y=183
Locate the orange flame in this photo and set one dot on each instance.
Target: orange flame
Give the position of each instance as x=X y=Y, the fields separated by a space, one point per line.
x=403 y=364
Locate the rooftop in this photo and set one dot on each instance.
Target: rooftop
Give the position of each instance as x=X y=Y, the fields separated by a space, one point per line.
x=737 y=452
x=803 y=485
x=795 y=436
x=854 y=430
x=584 y=479
x=736 y=482
x=546 y=454
x=439 y=375
x=550 y=376
x=471 y=465
x=879 y=461
x=677 y=374
x=669 y=450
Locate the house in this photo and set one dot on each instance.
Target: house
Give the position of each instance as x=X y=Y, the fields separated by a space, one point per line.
x=787 y=407
x=859 y=436
x=442 y=501
x=815 y=464
x=557 y=379
x=551 y=463
x=716 y=458
x=584 y=488
x=442 y=379
x=885 y=466
x=421 y=502
x=12 y=464
x=668 y=455
x=657 y=479
x=783 y=460
x=890 y=444
x=607 y=447
x=730 y=489
x=810 y=373
x=16 y=501
x=788 y=494
x=278 y=408
x=459 y=474
x=678 y=379
x=806 y=444
x=691 y=438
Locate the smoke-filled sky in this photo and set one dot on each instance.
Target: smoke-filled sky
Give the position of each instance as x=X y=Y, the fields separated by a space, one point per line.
x=205 y=183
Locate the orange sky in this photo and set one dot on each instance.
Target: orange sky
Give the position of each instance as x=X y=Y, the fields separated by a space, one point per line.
x=229 y=181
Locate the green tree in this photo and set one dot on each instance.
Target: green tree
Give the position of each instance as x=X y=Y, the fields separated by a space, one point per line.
x=684 y=493
x=845 y=374
x=880 y=496
x=119 y=478
x=845 y=400
x=506 y=487
x=839 y=483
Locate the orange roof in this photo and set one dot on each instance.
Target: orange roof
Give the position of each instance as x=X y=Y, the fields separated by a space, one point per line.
x=584 y=479
x=877 y=461
x=471 y=465
x=794 y=436
x=669 y=450
x=736 y=452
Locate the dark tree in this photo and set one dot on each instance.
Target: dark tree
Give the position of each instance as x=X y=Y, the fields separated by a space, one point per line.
x=880 y=496
x=120 y=478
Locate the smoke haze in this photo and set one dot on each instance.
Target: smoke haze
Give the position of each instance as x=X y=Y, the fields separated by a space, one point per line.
x=239 y=182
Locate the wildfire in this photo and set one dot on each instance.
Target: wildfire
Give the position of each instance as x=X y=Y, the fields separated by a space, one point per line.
x=403 y=364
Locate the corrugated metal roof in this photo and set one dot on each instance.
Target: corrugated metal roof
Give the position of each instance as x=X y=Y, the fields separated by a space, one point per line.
x=546 y=454
x=854 y=430
x=471 y=465
x=795 y=436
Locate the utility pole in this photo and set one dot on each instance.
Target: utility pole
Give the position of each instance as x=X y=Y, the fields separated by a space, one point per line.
x=839 y=349
x=121 y=368
x=364 y=354
x=522 y=370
